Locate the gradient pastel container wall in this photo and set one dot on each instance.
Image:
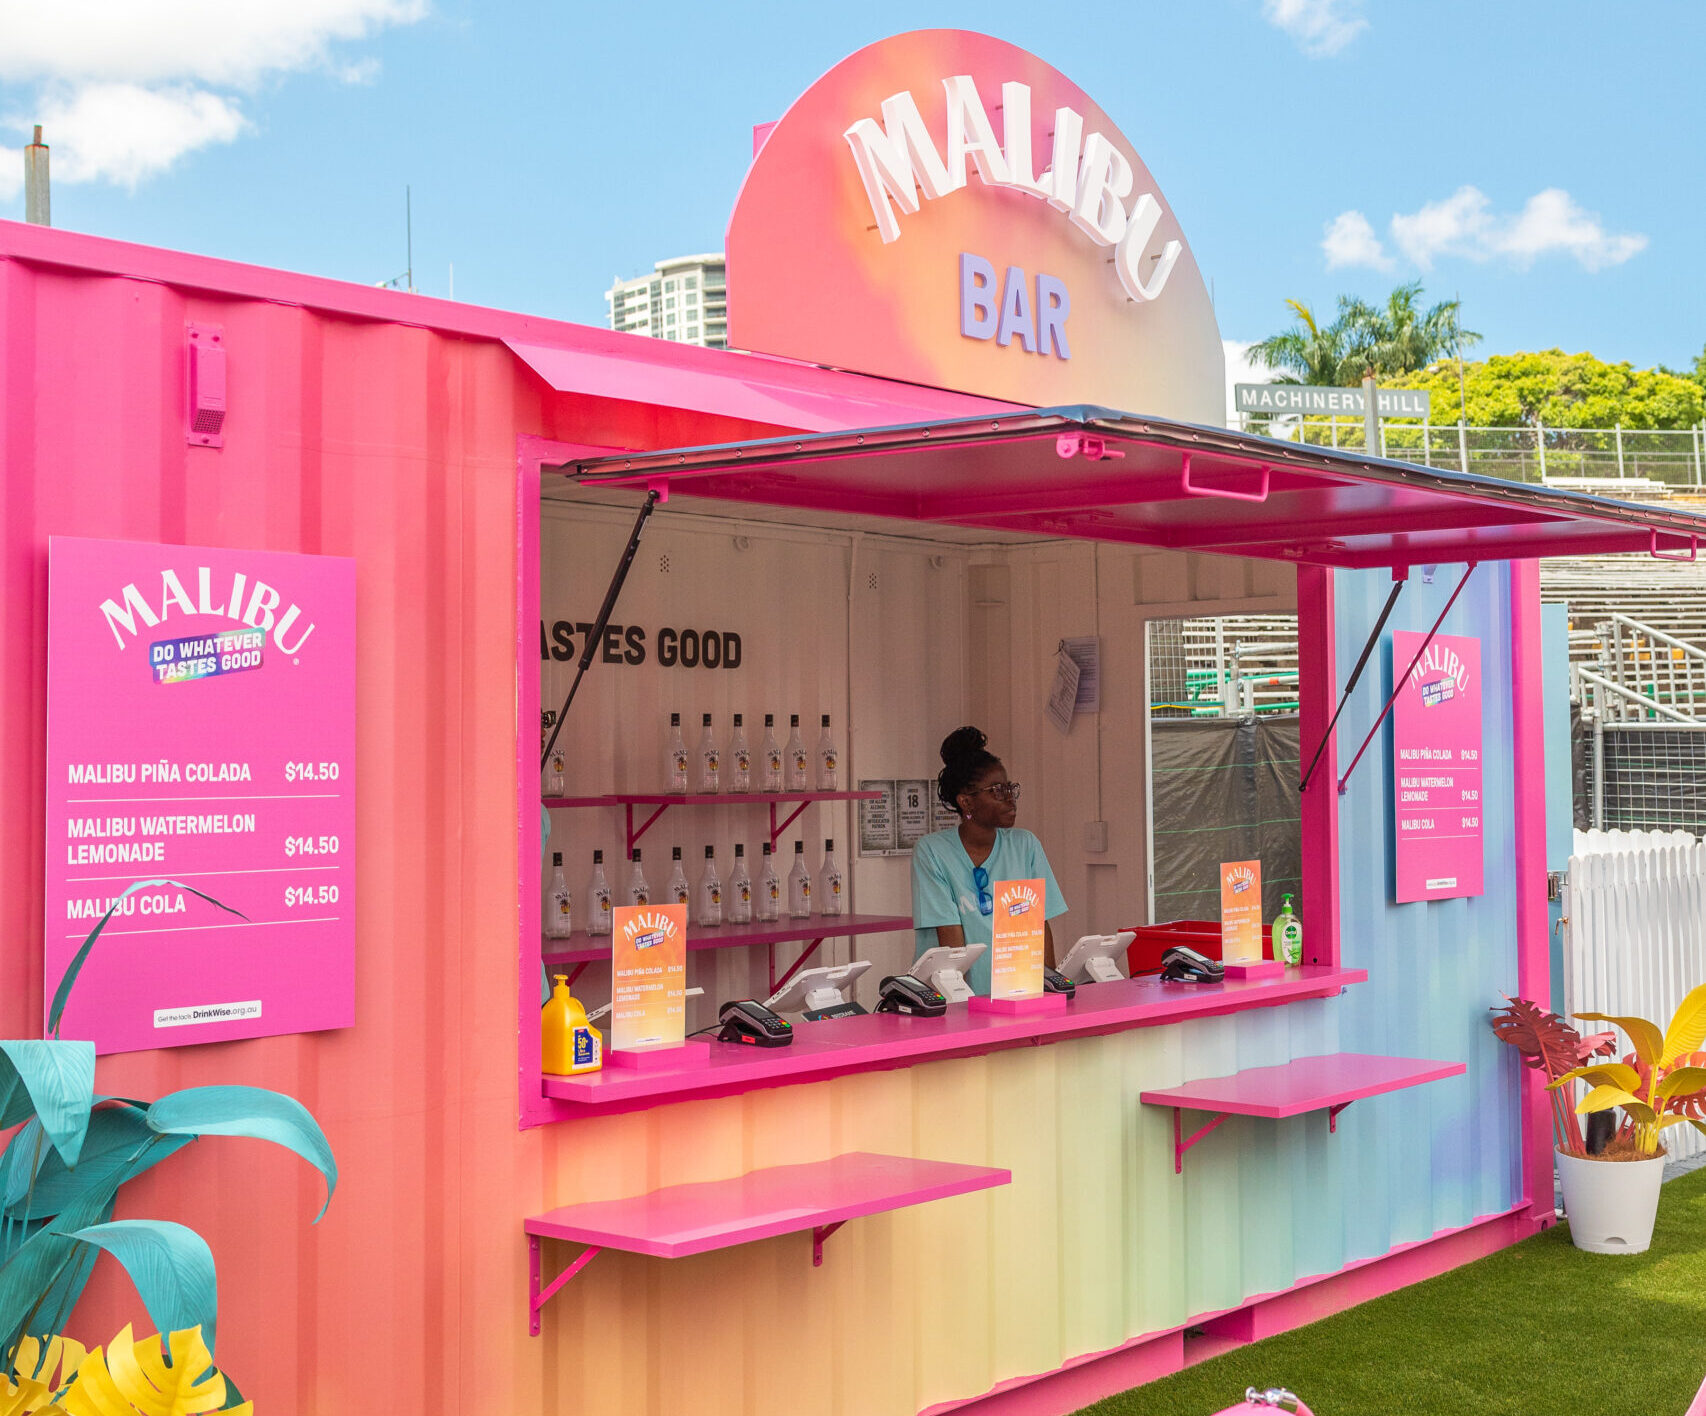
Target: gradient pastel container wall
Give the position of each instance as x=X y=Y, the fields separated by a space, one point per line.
x=397 y=445
x=1437 y=1154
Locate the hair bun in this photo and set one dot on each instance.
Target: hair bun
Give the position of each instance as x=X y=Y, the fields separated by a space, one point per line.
x=962 y=743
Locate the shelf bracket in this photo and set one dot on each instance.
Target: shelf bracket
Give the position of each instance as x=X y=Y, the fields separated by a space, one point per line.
x=650 y=821
x=775 y=830
x=819 y=1234
x=537 y=1298
x=1333 y=1115
x=793 y=968
x=1182 y=1143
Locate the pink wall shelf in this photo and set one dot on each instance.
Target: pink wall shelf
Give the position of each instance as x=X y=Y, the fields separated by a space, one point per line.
x=812 y=931
x=1329 y=1083
x=663 y=801
x=881 y=1041
x=679 y=1220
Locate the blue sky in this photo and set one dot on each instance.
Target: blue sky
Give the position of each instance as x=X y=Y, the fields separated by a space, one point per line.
x=1543 y=160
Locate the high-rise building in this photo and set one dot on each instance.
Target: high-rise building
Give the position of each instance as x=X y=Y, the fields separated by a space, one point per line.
x=684 y=299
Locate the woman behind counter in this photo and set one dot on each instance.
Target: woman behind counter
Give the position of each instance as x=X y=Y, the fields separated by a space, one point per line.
x=954 y=872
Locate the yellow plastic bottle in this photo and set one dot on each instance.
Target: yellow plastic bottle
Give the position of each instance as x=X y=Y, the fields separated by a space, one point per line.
x=568 y=1043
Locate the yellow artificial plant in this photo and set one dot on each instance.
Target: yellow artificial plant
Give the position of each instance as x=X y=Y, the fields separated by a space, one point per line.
x=1662 y=1083
x=129 y=1379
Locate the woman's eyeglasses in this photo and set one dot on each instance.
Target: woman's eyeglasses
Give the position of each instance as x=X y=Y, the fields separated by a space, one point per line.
x=985 y=898
x=1003 y=791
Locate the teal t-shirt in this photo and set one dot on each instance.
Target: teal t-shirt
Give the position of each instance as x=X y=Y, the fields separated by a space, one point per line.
x=944 y=892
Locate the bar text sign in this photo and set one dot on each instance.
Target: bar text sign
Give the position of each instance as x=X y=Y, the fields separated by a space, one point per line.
x=1436 y=767
x=201 y=728
x=648 y=977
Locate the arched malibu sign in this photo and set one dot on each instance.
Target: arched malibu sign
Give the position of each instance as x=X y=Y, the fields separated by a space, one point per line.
x=896 y=222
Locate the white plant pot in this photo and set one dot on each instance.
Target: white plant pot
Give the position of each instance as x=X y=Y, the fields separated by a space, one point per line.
x=1611 y=1204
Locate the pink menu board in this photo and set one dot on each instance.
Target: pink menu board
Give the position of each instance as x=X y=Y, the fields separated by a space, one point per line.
x=1436 y=767
x=200 y=728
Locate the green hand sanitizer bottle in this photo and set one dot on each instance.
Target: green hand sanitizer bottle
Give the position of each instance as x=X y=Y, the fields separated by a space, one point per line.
x=1288 y=936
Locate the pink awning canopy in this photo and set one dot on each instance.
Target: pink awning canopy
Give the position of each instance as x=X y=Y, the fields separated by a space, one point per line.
x=1099 y=475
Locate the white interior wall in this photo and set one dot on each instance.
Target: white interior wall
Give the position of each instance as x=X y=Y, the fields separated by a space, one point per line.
x=900 y=639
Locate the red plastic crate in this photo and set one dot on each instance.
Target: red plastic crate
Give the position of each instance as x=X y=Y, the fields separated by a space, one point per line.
x=1203 y=935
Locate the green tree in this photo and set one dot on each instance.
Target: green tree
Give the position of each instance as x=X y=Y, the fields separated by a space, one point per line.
x=1561 y=391
x=1396 y=338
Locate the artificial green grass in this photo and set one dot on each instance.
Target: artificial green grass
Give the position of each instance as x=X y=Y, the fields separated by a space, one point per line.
x=1535 y=1329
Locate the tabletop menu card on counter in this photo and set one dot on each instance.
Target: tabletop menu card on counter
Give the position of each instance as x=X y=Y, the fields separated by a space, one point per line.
x=1016 y=961
x=1240 y=911
x=1436 y=767
x=200 y=730
x=648 y=977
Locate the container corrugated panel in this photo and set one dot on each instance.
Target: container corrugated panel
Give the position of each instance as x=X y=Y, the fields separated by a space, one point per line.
x=397 y=445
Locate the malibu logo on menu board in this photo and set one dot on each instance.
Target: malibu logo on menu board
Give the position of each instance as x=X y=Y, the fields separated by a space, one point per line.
x=185 y=658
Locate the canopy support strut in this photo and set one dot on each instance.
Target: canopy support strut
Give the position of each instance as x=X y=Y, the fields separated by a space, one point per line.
x=1356 y=673
x=1398 y=680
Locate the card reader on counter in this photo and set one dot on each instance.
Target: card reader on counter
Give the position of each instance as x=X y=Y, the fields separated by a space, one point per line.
x=746 y=1021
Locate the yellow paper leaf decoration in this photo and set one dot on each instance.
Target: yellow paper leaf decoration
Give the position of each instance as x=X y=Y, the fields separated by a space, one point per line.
x=24 y=1396
x=132 y=1379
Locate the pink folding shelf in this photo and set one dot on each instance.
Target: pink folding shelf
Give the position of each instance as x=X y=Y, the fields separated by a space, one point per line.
x=784 y=1199
x=1327 y=1083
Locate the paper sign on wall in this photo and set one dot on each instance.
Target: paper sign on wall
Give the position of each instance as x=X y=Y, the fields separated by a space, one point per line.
x=1016 y=959
x=1436 y=768
x=200 y=728
x=1240 y=910
x=648 y=977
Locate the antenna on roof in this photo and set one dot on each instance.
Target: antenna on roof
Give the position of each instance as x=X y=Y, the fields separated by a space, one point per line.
x=406 y=281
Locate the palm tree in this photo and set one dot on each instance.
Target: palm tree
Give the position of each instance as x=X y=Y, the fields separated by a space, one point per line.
x=1400 y=338
x=1308 y=352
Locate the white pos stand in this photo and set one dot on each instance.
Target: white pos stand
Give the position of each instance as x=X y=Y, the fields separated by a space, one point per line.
x=1095 y=958
x=813 y=989
x=945 y=969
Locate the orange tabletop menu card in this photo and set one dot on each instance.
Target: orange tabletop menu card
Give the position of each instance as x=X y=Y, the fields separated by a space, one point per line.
x=1016 y=958
x=648 y=977
x=1240 y=910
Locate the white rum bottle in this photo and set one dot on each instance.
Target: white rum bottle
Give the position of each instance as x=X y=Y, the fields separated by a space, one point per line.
x=769 y=889
x=799 y=885
x=559 y=909
x=710 y=892
x=740 y=890
x=638 y=891
x=676 y=892
x=556 y=765
x=770 y=758
x=796 y=760
x=830 y=898
x=740 y=760
x=828 y=761
x=710 y=761
x=598 y=898
x=677 y=756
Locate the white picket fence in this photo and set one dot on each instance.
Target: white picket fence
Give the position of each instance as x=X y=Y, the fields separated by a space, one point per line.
x=1635 y=932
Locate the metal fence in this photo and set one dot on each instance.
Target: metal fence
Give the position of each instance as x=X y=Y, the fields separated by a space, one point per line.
x=1214 y=666
x=1635 y=932
x=1661 y=458
x=1640 y=776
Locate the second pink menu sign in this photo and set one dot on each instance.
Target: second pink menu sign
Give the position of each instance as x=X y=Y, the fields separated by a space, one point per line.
x=1436 y=767
x=201 y=728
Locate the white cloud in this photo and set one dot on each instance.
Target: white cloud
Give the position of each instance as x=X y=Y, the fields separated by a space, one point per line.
x=1239 y=370
x=124 y=133
x=220 y=43
x=1321 y=27
x=1465 y=225
x=124 y=89
x=1350 y=241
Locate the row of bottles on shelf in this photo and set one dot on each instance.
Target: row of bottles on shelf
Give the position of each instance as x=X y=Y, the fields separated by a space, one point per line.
x=711 y=771
x=740 y=900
